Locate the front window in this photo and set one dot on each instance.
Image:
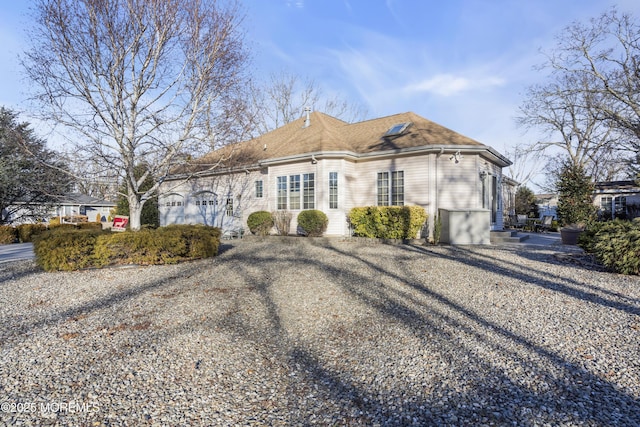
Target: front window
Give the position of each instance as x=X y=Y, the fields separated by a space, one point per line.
x=383 y=188
x=606 y=206
x=333 y=190
x=259 y=189
x=397 y=188
x=390 y=188
x=613 y=206
x=294 y=192
x=308 y=182
x=229 y=206
x=282 y=193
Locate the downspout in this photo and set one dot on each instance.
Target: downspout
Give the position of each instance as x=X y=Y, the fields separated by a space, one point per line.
x=437 y=198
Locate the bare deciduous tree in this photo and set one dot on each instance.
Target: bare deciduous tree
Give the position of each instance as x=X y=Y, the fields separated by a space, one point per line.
x=148 y=82
x=590 y=107
x=525 y=165
x=606 y=53
x=564 y=110
x=284 y=97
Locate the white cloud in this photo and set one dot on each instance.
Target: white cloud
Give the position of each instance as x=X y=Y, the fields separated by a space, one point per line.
x=297 y=3
x=449 y=84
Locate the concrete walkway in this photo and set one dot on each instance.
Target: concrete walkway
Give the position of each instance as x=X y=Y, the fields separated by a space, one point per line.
x=550 y=238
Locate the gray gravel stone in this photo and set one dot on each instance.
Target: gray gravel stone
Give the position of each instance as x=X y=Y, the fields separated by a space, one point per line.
x=323 y=332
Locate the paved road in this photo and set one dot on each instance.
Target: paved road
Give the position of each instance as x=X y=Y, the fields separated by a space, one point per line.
x=16 y=251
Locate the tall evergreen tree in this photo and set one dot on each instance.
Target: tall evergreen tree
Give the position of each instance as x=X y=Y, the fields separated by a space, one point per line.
x=32 y=178
x=575 y=200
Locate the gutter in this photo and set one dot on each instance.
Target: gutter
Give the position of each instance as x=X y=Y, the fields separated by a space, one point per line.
x=319 y=155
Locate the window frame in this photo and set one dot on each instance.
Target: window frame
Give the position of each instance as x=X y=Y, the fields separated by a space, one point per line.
x=390 y=188
x=309 y=191
x=333 y=190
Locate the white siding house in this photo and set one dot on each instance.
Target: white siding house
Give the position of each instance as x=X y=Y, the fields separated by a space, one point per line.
x=320 y=162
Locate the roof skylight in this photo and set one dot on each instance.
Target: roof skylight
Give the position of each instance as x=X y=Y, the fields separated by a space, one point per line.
x=397 y=129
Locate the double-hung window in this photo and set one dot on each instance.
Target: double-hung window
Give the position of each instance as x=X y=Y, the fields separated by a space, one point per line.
x=282 y=193
x=259 y=191
x=390 y=188
x=308 y=188
x=296 y=191
x=229 y=206
x=333 y=190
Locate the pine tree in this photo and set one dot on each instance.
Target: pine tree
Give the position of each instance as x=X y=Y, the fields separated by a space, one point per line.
x=575 y=196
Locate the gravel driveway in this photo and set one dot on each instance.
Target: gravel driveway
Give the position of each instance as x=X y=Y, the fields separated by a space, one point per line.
x=304 y=331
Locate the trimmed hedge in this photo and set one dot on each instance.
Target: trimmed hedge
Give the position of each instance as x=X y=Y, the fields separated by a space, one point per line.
x=64 y=248
x=313 y=222
x=260 y=223
x=615 y=244
x=387 y=222
x=71 y=249
x=27 y=231
x=8 y=234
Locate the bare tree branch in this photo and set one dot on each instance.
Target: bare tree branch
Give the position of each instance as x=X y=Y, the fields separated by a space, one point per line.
x=139 y=81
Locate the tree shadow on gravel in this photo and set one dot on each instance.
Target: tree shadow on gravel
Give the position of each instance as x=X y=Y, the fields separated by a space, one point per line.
x=15 y=270
x=86 y=308
x=317 y=392
x=539 y=277
x=491 y=393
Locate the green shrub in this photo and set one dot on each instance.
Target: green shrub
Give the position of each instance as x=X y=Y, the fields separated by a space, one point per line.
x=69 y=249
x=615 y=244
x=260 y=223
x=27 y=231
x=387 y=222
x=65 y=249
x=313 y=222
x=8 y=234
x=89 y=225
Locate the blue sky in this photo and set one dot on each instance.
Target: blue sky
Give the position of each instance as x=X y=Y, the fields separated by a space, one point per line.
x=462 y=63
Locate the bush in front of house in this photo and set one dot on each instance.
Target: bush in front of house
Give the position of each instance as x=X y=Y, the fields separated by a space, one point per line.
x=89 y=225
x=387 y=222
x=67 y=249
x=615 y=244
x=27 y=231
x=313 y=222
x=282 y=221
x=8 y=234
x=165 y=245
x=260 y=223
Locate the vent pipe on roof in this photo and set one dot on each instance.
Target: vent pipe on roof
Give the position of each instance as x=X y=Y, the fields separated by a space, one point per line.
x=307 y=121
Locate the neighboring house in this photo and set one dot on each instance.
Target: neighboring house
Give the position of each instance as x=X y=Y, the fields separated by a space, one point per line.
x=320 y=162
x=614 y=199
x=547 y=204
x=617 y=199
x=76 y=204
